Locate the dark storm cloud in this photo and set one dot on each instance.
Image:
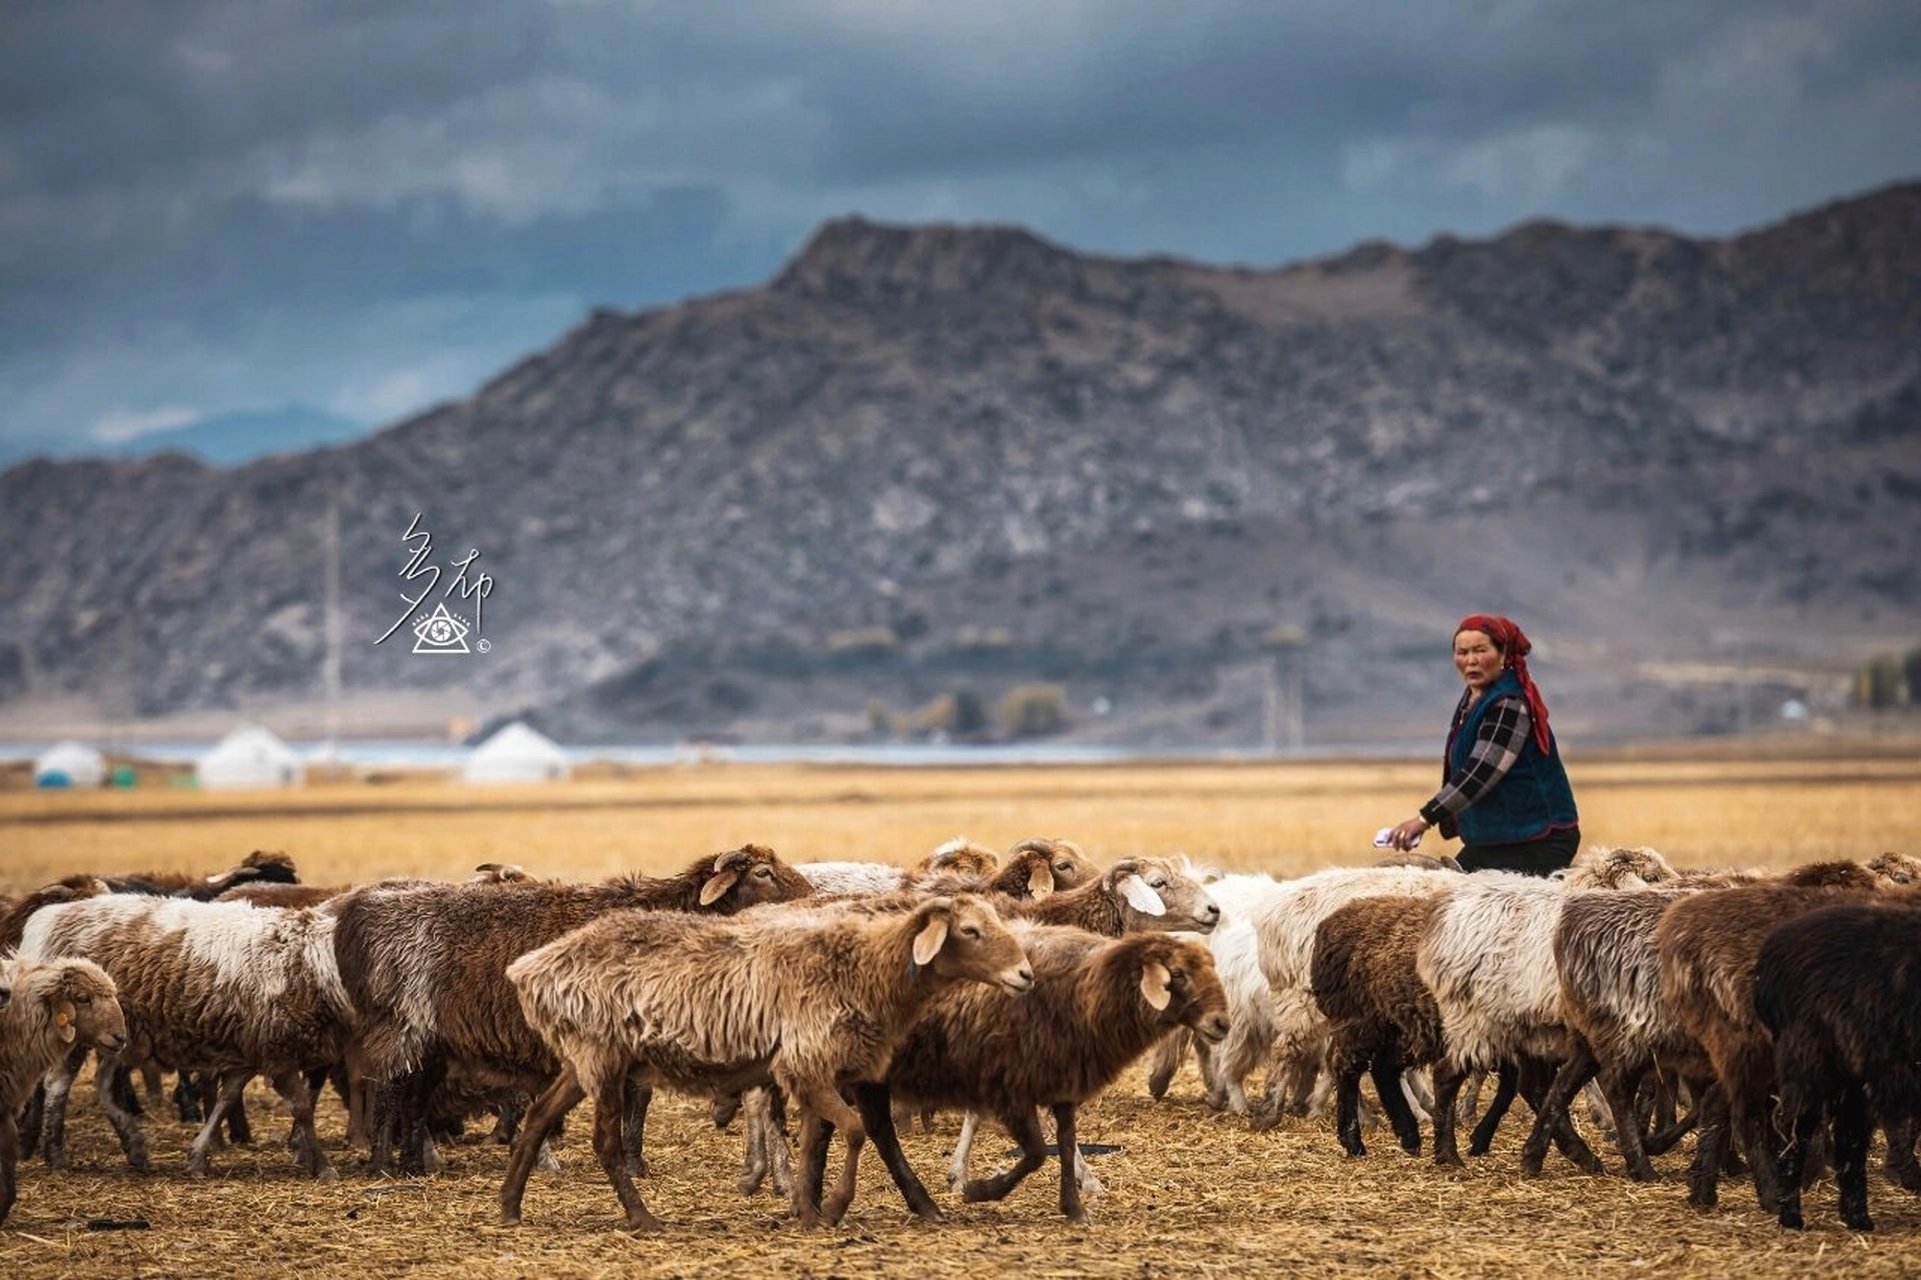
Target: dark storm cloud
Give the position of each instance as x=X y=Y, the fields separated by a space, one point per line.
x=210 y=206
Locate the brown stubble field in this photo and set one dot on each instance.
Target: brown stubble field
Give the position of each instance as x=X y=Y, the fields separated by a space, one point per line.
x=1188 y=1193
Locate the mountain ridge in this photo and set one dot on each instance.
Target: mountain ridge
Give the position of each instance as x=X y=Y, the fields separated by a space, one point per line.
x=906 y=415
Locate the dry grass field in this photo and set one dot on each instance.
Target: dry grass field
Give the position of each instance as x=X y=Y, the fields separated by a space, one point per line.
x=1188 y=1192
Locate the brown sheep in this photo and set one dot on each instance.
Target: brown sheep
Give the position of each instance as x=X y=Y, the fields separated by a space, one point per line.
x=1708 y=945
x=427 y=965
x=809 y=1002
x=1382 y=1019
x=47 y=1009
x=1097 y=1005
x=1839 y=990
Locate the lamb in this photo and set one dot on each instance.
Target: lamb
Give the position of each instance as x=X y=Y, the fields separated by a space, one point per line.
x=1381 y=1018
x=807 y=1001
x=46 y=1011
x=1708 y=946
x=1096 y=1006
x=222 y=987
x=1838 y=990
x=427 y=966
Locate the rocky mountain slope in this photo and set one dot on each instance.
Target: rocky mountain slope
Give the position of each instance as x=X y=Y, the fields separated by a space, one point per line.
x=924 y=458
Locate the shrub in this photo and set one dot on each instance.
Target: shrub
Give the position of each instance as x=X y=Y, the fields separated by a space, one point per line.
x=1032 y=710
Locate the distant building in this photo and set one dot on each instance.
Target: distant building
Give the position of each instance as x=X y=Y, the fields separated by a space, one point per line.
x=517 y=754
x=250 y=756
x=70 y=764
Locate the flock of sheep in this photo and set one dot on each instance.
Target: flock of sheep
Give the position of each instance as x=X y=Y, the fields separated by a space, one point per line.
x=1777 y=1014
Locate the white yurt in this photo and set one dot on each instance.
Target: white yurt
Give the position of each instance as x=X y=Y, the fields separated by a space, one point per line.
x=250 y=756
x=70 y=764
x=517 y=754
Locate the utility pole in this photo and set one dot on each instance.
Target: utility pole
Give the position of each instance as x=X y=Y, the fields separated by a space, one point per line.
x=330 y=660
x=1286 y=697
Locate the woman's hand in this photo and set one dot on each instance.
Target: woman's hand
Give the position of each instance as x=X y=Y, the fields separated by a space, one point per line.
x=1404 y=836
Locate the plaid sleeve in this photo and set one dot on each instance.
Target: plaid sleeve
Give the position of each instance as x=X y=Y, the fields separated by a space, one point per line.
x=1497 y=745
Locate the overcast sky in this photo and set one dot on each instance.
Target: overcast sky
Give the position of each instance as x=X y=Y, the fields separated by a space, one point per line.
x=365 y=208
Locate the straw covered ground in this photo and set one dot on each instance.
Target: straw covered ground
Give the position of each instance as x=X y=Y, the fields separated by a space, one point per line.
x=1188 y=1192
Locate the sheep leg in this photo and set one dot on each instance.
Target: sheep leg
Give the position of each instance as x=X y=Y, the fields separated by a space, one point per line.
x=1025 y=1126
x=963 y=1152
x=815 y=1133
x=1448 y=1079
x=1852 y=1129
x=1574 y=1073
x=228 y=1093
x=1506 y=1079
x=126 y=1125
x=1386 y=1073
x=150 y=1079
x=298 y=1092
x=1347 y=1063
x=560 y=1097
x=239 y=1131
x=1166 y=1064
x=877 y=1112
x=633 y=1131
x=1070 y=1150
x=1537 y=1074
x=1471 y=1096
x=610 y=1109
x=828 y=1102
x=758 y=1139
x=9 y=1161
x=32 y=1117
x=1750 y=1122
x=1804 y=1110
x=1618 y=1087
x=1711 y=1149
x=59 y=1081
x=1900 y=1166
x=186 y=1099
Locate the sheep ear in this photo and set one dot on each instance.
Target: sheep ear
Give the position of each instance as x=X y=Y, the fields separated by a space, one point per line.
x=1154 y=979
x=1040 y=879
x=717 y=885
x=927 y=942
x=1141 y=896
x=63 y=1022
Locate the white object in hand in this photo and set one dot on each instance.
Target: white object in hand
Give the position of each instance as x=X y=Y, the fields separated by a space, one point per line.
x=1382 y=839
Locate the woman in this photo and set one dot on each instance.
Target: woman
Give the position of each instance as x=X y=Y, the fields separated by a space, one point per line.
x=1503 y=788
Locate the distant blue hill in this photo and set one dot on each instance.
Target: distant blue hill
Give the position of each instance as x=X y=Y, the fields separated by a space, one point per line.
x=221 y=439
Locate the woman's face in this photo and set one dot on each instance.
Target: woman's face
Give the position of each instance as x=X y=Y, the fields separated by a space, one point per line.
x=1476 y=658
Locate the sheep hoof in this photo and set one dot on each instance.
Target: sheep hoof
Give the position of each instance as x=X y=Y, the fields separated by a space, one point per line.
x=1078 y=1217
x=327 y=1173
x=1859 y=1222
x=1447 y=1160
x=1791 y=1220
x=509 y=1219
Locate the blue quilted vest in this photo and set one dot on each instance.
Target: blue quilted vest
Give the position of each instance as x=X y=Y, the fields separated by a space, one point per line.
x=1531 y=800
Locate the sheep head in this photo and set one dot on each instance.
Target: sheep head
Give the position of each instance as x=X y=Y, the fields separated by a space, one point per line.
x=1839 y=874
x=962 y=937
x=1602 y=867
x=1036 y=868
x=959 y=857
x=498 y=873
x=750 y=874
x=79 y=1001
x=1897 y=868
x=1154 y=894
x=1179 y=983
x=262 y=866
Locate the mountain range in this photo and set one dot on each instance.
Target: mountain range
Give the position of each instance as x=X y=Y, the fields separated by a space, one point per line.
x=933 y=460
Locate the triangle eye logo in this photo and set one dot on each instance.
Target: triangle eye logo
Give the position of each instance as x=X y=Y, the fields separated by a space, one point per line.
x=440 y=632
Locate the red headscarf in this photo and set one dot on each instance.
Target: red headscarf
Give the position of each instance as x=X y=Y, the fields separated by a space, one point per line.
x=1515 y=647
